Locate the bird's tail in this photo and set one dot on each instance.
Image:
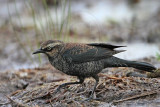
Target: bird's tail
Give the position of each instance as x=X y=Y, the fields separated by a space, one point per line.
x=117 y=62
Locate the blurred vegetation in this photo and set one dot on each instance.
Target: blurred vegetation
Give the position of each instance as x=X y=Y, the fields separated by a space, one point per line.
x=60 y=30
x=158 y=56
x=71 y=27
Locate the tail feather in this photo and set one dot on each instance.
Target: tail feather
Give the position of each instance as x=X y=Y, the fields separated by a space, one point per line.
x=116 y=62
x=142 y=66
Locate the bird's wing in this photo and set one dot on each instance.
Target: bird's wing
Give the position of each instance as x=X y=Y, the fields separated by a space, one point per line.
x=80 y=53
x=105 y=45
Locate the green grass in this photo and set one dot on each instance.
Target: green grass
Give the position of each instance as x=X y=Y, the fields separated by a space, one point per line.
x=58 y=30
x=158 y=56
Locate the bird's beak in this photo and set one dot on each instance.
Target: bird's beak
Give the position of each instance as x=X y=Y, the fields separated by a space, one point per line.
x=38 y=51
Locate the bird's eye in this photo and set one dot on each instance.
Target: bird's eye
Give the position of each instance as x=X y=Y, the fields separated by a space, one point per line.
x=49 y=48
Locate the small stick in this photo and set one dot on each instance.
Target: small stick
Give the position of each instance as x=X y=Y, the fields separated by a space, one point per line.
x=136 y=96
x=18 y=104
x=50 y=100
x=15 y=92
x=109 y=77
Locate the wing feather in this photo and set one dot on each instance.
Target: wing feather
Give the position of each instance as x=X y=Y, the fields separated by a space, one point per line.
x=104 y=45
x=80 y=53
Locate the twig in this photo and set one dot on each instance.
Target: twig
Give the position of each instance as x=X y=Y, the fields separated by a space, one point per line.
x=57 y=80
x=82 y=92
x=50 y=103
x=136 y=96
x=19 y=104
x=109 y=77
x=15 y=92
x=56 y=98
x=103 y=90
x=4 y=103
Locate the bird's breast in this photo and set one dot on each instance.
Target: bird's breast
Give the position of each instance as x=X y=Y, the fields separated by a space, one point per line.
x=59 y=63
x=86 y=69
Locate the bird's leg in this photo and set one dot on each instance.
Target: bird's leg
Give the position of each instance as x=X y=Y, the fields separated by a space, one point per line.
x=97 y=80
x=81 y=80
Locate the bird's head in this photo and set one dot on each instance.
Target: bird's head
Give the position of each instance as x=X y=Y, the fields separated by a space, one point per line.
x=50 y=48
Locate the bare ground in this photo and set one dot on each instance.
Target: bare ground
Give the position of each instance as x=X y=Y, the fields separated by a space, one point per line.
x=35 y=87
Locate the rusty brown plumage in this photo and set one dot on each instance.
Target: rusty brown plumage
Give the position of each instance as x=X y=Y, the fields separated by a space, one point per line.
x=80 y=48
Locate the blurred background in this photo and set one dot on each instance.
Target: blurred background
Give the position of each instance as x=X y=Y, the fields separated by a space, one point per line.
x=25 y=24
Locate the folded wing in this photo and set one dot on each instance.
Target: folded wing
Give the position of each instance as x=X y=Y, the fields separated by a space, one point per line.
x=81 y=53
x=105 y=45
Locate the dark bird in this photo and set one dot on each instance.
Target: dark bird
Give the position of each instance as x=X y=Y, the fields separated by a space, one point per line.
x=86 y=60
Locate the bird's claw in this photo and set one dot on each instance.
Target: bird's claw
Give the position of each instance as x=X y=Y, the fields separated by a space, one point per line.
x=91 y=98
x=88 y=99
x=56 y=91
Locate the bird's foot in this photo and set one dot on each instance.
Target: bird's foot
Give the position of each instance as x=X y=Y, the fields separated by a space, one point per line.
x=91 y=98
x=56 y=91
